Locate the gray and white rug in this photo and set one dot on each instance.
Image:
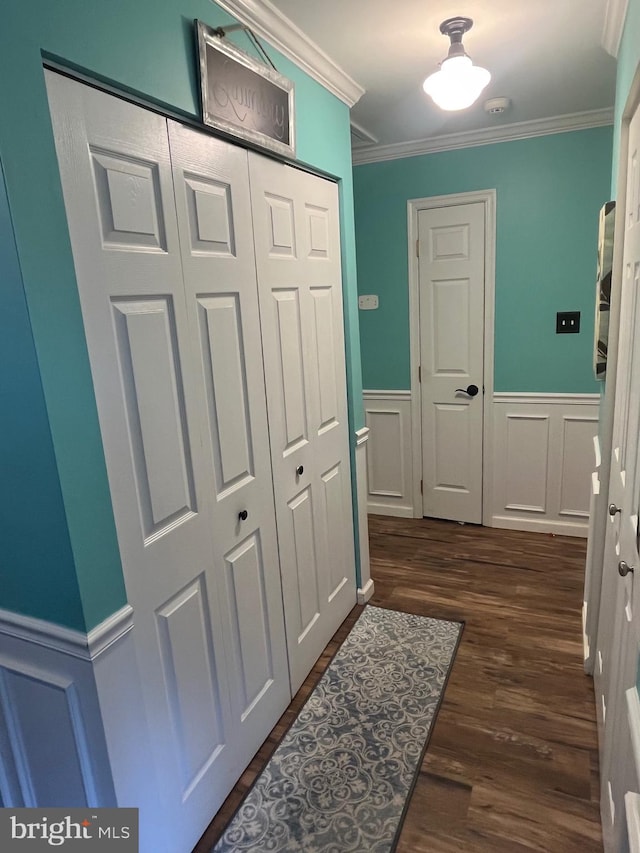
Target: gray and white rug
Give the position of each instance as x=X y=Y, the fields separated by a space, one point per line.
x=341 y=776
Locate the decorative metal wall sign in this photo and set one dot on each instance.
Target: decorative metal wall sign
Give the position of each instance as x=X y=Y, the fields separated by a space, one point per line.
x=243 y=97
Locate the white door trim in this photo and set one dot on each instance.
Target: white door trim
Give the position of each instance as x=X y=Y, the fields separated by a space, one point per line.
x=488 y=198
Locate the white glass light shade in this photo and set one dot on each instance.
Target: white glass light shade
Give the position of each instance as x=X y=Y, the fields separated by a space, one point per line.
x=457 y=84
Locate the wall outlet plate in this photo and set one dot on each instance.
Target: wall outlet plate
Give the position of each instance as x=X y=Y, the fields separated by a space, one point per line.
x=367 y=303
x=567 y=322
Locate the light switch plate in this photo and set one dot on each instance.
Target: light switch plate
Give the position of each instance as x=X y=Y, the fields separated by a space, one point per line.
x=367 y=303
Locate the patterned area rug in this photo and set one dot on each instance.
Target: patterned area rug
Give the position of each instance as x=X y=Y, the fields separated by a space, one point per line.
x=340 y=779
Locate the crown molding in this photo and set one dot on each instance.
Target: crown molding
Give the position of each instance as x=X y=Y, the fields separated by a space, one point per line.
x=485 y=136
x=57 y=638
x=270 y=24
x=614 y=18
x=362 y=135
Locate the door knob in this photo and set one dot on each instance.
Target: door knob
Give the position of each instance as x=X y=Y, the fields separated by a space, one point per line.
x=243 y=515
x=613 y=509
x=624 y=569
x=300 y=470
x=471 y=390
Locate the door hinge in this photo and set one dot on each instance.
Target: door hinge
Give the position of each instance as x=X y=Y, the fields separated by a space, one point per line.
x=419 y=373
x=417 y=248
x=421 y=487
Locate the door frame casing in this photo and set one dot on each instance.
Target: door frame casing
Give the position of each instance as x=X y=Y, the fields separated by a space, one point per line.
x=414 y=206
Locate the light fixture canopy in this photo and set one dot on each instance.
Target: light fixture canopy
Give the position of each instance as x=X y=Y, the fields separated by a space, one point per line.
x=459 y=82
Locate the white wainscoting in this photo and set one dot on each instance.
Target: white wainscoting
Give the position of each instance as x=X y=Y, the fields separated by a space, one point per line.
x=389 y=453
x=543 y=460
x=63 y=732
x=52 y=740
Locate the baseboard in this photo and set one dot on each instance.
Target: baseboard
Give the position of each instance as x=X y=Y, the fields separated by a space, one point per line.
x=366 y=592
x=390 y=509
x=541 y=525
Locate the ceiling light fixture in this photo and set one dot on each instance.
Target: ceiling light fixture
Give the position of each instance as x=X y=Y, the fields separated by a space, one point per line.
x=459 y=82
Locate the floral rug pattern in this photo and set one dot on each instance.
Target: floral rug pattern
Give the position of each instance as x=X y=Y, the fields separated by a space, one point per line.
x=339 y=780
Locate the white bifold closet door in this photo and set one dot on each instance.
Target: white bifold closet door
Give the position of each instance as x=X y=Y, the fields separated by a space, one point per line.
x=168 y=295
x=297 y=240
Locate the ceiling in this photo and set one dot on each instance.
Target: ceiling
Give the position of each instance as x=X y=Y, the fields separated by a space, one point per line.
x=545 y=55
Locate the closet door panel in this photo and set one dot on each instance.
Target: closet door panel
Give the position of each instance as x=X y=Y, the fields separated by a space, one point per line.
x=118 y=189
x=214 y=223
x=299 y=281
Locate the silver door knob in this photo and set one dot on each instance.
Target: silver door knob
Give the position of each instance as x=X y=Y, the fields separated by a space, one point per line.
x=613 y=509
x=624 y=569
x=300 y=470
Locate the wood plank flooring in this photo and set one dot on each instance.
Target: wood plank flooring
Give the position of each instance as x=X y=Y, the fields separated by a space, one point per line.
x=512 y=766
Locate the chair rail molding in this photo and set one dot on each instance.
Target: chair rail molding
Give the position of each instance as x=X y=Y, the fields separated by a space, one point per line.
x=65 y=640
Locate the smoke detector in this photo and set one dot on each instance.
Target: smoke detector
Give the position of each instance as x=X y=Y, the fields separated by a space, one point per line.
x=495 y=106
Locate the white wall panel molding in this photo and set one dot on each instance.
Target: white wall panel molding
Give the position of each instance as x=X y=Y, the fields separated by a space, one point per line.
x=44 y=689
x=53 y=679
x=485 y=136
x=365 y=590
x=269 y=23
x=543 y=461
x=389 y=453
x=65 y=640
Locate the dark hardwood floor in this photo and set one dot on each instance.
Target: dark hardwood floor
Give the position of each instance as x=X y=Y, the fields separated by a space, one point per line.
x=512 y=765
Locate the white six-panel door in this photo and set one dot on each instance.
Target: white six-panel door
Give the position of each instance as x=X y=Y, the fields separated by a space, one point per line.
x=169 y=307
x=299 y=274
x=618 y=642
x=451 y=280
x=215 y=229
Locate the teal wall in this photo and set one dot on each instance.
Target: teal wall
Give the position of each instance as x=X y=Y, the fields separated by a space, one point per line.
x=34 y=531
x=549 y=192
x=147 y=48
